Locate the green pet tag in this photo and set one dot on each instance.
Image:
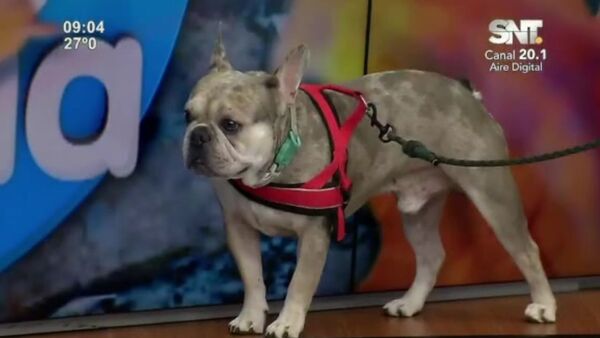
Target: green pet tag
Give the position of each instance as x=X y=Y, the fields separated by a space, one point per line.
x=288 y=150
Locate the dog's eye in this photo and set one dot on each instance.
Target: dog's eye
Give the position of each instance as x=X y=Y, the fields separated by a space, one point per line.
x=230 y=126
x=188 y=116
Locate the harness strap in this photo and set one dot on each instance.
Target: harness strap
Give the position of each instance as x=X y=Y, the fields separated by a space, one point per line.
x=297 y=197
x=317 y=196
x=339 y=135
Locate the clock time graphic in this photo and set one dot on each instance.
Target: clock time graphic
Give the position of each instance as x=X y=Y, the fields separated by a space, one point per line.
x=82 y=33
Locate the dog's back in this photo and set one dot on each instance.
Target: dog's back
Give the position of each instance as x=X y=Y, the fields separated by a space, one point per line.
x=442 y=113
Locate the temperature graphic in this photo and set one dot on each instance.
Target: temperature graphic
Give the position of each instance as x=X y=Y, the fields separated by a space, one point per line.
x=76 y=42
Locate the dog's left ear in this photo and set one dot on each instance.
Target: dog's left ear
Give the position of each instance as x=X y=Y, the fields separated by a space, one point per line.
x=289 y=74
x=219 y=62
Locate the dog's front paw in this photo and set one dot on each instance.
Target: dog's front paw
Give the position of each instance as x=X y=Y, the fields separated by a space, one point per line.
x=248 y=322
x=285 y=328
x=402 y=307
x=539 y=313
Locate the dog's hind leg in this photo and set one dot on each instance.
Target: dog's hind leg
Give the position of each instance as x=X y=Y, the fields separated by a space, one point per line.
x=421 y=229
x=494 y=192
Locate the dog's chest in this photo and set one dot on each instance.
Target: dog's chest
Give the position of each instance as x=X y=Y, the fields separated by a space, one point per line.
x=267 y=220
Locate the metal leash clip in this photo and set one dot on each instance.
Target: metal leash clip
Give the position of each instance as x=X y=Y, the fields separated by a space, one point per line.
x=386 y=132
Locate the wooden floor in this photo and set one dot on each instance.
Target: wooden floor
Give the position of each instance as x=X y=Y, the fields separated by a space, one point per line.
x=579 y=313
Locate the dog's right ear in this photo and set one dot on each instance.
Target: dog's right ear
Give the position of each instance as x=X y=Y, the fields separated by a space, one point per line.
x=290 y=73
x=219 y=62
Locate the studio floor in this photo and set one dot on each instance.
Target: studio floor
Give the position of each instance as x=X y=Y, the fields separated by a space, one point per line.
x=579 y=313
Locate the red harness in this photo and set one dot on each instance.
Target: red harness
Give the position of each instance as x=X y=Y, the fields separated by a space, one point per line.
x=329 y=191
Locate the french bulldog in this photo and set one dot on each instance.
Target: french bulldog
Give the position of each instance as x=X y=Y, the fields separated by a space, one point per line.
x=237 y=120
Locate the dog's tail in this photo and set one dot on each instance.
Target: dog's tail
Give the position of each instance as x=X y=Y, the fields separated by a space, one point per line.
x=469 y=86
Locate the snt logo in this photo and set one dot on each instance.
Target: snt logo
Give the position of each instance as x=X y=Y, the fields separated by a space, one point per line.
x=526 y=33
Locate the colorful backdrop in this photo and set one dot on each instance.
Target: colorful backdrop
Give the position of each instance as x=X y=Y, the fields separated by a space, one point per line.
x=82 y=233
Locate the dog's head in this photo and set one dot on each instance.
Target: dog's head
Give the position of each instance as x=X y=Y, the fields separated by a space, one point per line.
x=235 y=120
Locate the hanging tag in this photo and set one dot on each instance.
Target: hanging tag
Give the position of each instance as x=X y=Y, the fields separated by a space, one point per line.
x=288 y=150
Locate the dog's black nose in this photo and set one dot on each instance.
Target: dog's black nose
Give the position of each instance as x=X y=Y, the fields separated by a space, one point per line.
x=200 y=135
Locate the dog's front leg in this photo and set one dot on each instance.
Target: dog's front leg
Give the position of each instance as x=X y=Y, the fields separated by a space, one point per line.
x=244 y=243
x=312 y=251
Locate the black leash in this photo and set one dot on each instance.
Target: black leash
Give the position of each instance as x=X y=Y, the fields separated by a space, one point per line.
x=416 y=149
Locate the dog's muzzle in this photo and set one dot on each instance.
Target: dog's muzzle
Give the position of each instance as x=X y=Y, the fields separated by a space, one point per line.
x=200 y=137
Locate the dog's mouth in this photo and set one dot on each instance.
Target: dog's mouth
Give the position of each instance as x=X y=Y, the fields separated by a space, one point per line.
x=199 y=167
x=229 y=165
x=243 y=171
x=202 y=168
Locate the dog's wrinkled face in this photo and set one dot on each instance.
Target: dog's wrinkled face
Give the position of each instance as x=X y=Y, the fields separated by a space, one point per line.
x=230 y=118
x=234 y=119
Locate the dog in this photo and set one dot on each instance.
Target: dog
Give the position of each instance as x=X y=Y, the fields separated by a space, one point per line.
x=236 y=120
